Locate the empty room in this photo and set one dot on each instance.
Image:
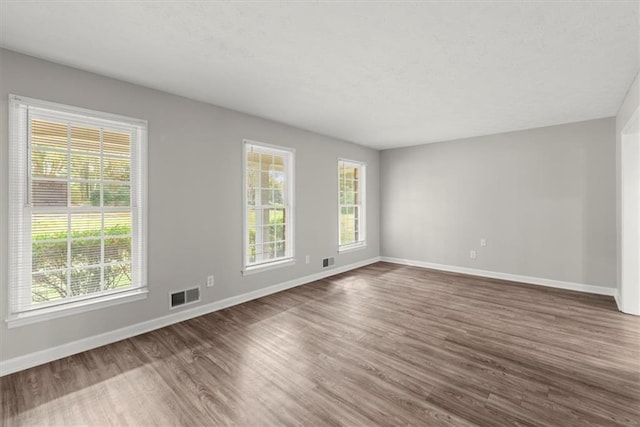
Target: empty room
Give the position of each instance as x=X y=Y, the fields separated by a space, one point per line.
x=319 y=213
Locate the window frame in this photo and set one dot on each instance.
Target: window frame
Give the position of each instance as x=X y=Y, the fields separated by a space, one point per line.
x=20 y=210
x=362 y=207
x=289 y=206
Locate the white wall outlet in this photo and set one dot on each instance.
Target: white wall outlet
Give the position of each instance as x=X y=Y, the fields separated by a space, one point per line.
x=307 y=259
x=473 y=254
x=483 y=242
x=210 y=281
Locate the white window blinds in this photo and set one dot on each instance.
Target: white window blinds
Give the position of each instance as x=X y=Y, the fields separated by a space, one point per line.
x=351 y=193
x=77 y=202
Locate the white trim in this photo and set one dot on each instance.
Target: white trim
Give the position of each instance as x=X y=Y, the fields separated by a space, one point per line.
x=580 y=287
x=352 y=247
x=258 y=268
x=81 y=306
x=79 y=113
x=616 y=296
x=43 y=356
x=272 y=148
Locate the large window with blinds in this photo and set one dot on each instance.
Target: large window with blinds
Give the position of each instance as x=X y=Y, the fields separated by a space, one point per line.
x=351 y=209
x=268 y=206
x=77 y=202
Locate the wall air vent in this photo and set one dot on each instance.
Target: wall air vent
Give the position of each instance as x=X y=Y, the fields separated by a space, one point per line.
x=187 y=296
x=327 y=262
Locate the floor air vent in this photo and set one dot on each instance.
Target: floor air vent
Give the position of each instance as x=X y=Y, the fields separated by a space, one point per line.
x=187 y=296
x=327 y=262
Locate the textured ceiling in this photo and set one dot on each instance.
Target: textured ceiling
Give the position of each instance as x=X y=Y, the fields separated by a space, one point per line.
x=382 y=74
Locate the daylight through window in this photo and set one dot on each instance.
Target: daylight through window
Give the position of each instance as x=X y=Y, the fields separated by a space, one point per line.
x=77 y=206
x=351 y=182
x=268 y=204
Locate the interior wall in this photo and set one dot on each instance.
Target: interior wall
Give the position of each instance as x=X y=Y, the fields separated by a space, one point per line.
x=544 y=200
x=627 y=290
x=195 y=196
x=629 y=298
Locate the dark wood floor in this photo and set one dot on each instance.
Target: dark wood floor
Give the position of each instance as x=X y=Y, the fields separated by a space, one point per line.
x=381 y=345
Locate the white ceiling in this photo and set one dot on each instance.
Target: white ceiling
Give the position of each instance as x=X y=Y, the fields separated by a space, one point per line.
x=382 y=74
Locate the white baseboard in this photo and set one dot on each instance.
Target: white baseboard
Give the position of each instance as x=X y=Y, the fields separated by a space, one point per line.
x=616 y=296
x=600 y=290
x=43 y=356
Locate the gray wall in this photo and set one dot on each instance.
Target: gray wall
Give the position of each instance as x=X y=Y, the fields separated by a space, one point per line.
x=544 y=199
x=194 y=195
x=629 y=105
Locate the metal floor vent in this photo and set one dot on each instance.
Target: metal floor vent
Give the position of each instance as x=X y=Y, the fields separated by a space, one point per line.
x=188 y=296
x=327 y=262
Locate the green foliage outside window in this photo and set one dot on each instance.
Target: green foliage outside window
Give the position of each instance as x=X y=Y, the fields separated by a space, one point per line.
x=50 y=263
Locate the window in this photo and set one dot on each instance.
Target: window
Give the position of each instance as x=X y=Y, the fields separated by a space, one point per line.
x=77 y=202
x=268 y=206
x=351 y=183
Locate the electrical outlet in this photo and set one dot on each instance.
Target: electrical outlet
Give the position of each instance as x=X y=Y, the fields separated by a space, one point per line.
x=473 y=254
x=210 y=281
x=483 y=242
x=307 y=259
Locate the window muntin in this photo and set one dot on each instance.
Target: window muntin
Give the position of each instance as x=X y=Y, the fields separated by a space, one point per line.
x=351 y=193
x=268 y=202
x=77 y=207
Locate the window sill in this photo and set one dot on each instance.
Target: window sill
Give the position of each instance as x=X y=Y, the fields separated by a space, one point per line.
x=268 y=266
x=63 y=310
x=352 y=247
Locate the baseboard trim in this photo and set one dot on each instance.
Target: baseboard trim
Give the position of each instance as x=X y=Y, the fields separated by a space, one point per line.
x=616 y=296
x=44 y=356
x=591 y=289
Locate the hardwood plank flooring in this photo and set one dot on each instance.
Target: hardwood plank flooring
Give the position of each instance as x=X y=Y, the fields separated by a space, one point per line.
x=381 y=345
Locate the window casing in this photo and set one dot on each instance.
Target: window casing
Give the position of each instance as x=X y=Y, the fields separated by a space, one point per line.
x=352 y=205
x=77 y=210
x=268 y=206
